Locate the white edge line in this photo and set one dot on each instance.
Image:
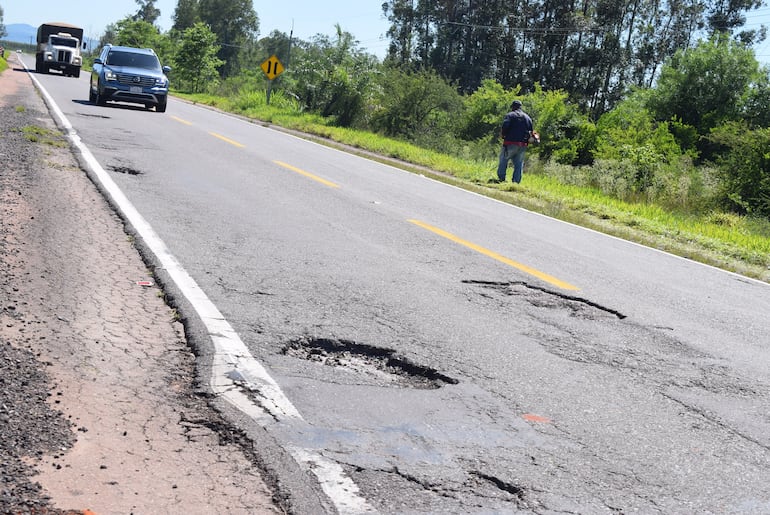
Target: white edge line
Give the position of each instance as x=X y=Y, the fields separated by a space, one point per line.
x=230 y=353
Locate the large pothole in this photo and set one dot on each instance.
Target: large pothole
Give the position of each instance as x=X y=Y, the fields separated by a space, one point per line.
x=379 y=364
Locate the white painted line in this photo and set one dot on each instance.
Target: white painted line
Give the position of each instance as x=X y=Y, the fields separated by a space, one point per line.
x=232 y=358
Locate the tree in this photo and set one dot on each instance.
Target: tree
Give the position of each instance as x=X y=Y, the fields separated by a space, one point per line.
x=331 y=76
x=416 y=105
x=135 y=33
x=185 y=14
x=196 y=62
x=3 y=32
x=756 y=107
x=236 y=25
x=592 y=49
x=746 y=168
x=706 y=86
x=147 y=11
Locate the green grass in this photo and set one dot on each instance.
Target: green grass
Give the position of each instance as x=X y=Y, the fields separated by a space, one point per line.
x=728 y=241
x=42 y=135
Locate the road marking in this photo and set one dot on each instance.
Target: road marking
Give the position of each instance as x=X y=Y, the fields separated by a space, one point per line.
x=180 y=120
x=494 y=255
x=236 y=376
x=307 y=174
x=228 y=140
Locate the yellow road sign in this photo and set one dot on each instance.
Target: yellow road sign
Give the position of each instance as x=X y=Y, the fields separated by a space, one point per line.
x=272 y=67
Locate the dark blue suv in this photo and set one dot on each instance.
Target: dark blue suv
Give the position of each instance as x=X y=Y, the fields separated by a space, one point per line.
x=126 y=74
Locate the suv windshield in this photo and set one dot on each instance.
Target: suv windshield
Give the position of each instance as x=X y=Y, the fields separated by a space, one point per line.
x=149 y=62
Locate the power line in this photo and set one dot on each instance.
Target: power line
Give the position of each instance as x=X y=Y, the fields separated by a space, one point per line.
x=529 y=30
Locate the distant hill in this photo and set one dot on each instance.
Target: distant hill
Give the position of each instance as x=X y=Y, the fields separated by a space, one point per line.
x=21 y=33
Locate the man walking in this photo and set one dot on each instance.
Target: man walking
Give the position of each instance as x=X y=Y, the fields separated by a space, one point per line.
x=516 y=129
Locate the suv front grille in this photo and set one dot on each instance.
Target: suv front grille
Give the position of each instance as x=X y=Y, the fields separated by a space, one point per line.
x=131 y=80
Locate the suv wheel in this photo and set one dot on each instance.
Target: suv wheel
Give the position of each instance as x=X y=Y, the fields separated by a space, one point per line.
x=161 y=107
x=100 y=100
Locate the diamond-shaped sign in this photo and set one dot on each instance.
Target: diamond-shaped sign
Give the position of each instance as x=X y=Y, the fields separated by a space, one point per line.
x=272 y=67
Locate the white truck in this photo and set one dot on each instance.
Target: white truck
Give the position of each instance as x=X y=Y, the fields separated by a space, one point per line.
x=58 y=48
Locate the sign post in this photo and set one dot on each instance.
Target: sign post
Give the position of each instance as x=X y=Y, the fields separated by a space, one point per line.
x=272 y=67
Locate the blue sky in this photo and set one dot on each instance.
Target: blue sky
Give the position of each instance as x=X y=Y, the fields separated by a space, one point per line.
x=362 y=18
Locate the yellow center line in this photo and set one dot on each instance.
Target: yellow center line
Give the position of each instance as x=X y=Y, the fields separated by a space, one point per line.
x=306 y=174
x=228 y=140
x=494 y=255
x=181 y=121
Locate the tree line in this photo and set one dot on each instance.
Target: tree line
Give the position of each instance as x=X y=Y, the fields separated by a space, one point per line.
x=654 y=100
x=594 y=49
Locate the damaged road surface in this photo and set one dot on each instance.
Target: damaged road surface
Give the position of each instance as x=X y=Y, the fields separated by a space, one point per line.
x=393 y=344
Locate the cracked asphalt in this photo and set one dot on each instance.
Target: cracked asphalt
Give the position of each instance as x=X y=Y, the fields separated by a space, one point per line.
x=99 y=408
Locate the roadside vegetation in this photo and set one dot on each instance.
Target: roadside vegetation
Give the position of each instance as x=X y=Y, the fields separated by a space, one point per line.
x=659 y=137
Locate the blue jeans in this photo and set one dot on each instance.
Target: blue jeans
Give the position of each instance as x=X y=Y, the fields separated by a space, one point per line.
x=513 y=153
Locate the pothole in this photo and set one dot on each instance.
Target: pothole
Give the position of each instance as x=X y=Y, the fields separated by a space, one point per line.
x=515 y=490
x=125 y=170
x=91 y=115
x=382 y=365
x=544 y=298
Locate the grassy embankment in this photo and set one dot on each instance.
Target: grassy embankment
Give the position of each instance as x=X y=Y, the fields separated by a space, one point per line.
x=727 y=241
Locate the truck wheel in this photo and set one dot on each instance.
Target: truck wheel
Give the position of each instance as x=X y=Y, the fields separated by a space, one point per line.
x=76 y=74
x=38 y=64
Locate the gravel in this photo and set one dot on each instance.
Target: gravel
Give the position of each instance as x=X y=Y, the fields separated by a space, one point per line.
x=29 y=426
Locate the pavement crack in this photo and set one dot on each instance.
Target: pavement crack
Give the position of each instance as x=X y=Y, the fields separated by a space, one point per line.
x=715 y=420
x=515 y=490
x=509 y=289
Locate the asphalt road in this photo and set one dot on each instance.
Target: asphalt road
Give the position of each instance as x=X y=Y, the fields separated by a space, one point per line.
x=426 y=349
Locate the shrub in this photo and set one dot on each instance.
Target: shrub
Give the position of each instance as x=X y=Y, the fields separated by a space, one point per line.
x=745 y=167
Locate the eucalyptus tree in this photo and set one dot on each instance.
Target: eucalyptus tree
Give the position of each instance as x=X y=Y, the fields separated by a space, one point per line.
x=185 y=14
x=236 y=25
x=147 y=11
x=594 y=49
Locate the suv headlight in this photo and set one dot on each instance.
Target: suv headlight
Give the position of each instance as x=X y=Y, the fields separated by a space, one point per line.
x=161 y=82
x=110 y=75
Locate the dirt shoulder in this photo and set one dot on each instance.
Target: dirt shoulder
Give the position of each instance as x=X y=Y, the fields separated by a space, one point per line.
x=98 y=405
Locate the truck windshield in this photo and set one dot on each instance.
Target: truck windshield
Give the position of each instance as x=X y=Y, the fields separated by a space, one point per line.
x=149 y=62
x=57 y=41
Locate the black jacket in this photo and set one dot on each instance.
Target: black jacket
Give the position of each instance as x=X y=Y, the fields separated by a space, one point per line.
x=516 y=126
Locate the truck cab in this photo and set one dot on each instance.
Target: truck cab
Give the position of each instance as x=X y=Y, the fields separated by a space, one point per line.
x=58 y=48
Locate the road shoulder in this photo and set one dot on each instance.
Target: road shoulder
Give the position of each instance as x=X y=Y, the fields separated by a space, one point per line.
x=80 y=313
